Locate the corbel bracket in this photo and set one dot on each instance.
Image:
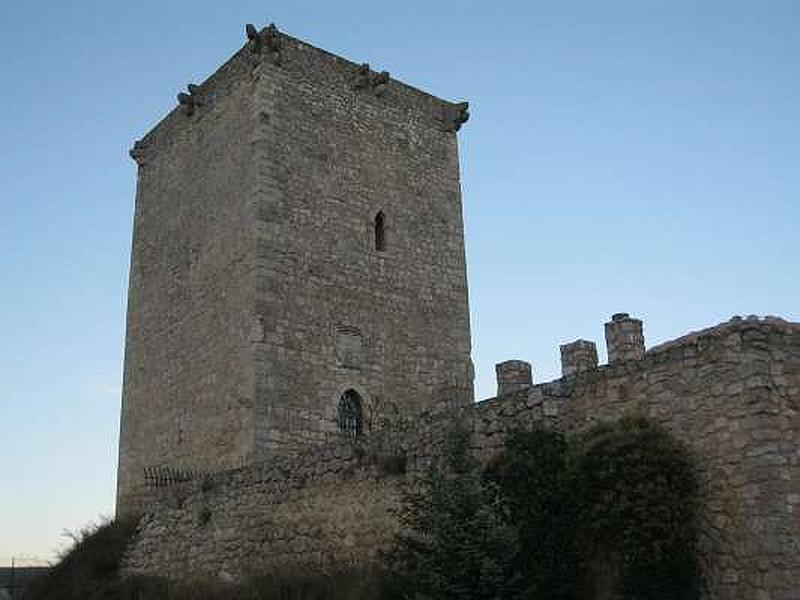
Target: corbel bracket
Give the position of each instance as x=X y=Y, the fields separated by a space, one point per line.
x=191 y=100
x=137 y=153
x=365 y=78
x=454 y=116
x=270 y=40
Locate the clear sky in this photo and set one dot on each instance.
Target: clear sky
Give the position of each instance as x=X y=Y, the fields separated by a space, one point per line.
x=637 y=156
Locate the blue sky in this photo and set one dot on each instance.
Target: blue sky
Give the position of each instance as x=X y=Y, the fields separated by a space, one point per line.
x=637 y=156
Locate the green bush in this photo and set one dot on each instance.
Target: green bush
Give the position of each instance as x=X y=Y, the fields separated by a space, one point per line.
x=455 y=545
x=638 y=510
x=89 y=571
x=612 y=513
x=354 y=584
x=533 y=483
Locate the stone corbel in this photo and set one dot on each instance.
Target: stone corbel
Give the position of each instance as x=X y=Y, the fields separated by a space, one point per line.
x=365 y=78
x=137 y=153
x=271 y=41
x=191 y=100
x=454 y=116
x=254 y=39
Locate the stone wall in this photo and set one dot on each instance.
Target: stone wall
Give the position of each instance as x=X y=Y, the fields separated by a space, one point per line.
x=259 y=293
x=189 y=377
x=730 y=393
x=321 y=510
x=338 y=312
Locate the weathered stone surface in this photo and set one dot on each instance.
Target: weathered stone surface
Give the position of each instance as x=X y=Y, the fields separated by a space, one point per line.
x=263 y=287
x=624 y=338
x=744 y=441
x=513 y=375
x=578 y=357
x=328 y=509
x=258 y=294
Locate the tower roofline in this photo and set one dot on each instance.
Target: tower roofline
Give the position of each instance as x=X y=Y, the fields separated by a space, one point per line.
x=452 y=114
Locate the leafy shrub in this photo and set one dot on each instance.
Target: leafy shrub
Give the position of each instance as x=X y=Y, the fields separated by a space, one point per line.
x=638 y=510
x=612 y=513
x=533 y=482
x=354 y=584
x=87 y=570
x=455 y=543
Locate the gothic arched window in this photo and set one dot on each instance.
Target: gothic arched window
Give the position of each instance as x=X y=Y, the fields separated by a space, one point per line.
x=380 y=232
x=350 y=416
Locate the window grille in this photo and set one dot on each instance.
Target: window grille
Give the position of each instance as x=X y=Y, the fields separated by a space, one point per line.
x=350 y=415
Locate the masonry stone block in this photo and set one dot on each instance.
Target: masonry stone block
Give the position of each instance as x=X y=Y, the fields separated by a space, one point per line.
x=624 y=338
x=261 y=297
x=513 y=375
x=259 y=291
x=578 y=357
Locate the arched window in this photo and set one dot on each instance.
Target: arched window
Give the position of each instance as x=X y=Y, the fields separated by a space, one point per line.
x=350 y=416
x=380 y=232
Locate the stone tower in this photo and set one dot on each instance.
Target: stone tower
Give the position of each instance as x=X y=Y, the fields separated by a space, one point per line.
x=298 y=264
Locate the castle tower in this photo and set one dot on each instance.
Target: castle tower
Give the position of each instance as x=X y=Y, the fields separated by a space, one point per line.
x=298 y=263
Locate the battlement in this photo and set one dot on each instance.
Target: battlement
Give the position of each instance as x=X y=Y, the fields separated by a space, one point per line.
x=580 y=357
x=730 y=393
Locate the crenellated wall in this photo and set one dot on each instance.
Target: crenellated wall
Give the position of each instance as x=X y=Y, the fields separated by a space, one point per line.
x=731 y=393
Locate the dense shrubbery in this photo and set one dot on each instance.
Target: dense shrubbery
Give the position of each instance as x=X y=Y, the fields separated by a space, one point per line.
x=638 y=510
x=456 y=543
x=612 y=513
x=352 y=585
x=533 y=484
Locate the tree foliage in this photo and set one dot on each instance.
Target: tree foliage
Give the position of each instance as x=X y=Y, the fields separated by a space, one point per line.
x=533 y=483
x=455 y=543
x=638 y=509
x=610 y=513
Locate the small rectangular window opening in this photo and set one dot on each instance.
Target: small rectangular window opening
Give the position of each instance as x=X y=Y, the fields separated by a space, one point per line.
x=380 y=232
